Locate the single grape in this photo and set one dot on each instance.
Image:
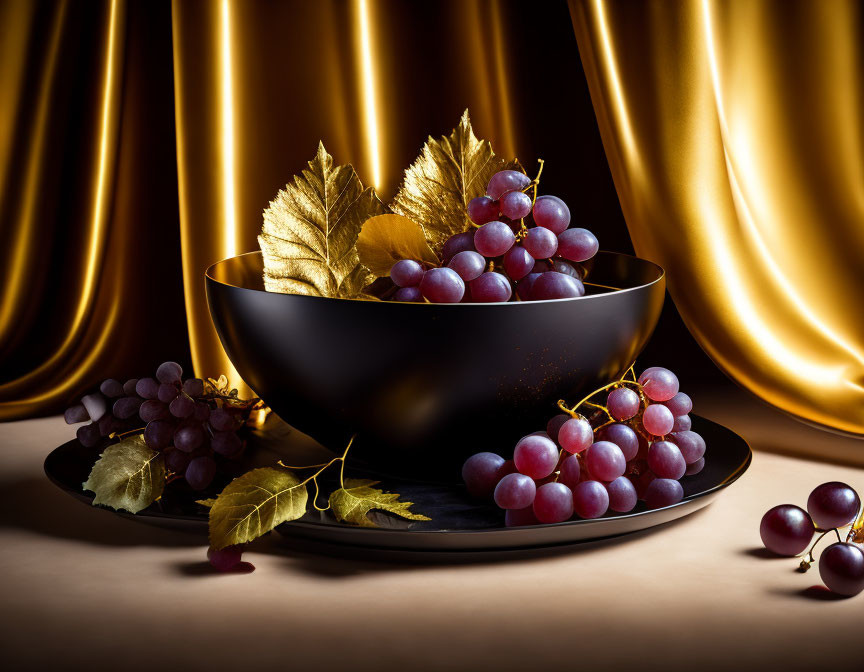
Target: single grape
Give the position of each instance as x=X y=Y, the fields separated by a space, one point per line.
x=182 y=407
x=482 y=209
x=89 y=435
x=225 y=559
x=577 y=244
x=519 y=517
x=570 y=473
x=566 y=268
x=129 y=387
x=458 y=243
x=622 y=494
x=147 y=388
x=623 y=403
x=680 y=404
x=659 y=384
x=509 y=467
x=202 y=411
x=481 y=473
x=226 y=443
x=406 y=273
x=541 y=266
x=200 y=472
x=108 y=424
x=691 y=445
x=575 y=435
x=841 y=567
x=408 y=295
x=126 y=407
x=221 y=420
x=786 y=529
x=642 y=481
x=663 y=492
x=657 y=420
x=515 y=491
x=442 y=285
x=833 y=504
x=553 y=503
x=194 y=387
x=504 y=181
x=590 y=499
x=494 y=239
x=535 y=456
x=515 y=205
x=469 y=265
x=188 y=438
x=554 y=425
x=552 y=285
x=95 y=404
x=666 y=460
x=490 y=287
x=177 y=461
x=167 y=393
x=111 y=388
x=169 y=372
x=518 y=263
x=76 y=414
x=605 y=461
x=540 y=243
x=551 y=213
x=523 y=288
x=622 y=436
x=682 y=423
x=153 y=409
x=158 y=434
x=695 y=467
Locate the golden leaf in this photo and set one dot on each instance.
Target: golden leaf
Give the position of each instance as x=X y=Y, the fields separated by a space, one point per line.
x=311 y=228
x=438 y=186
x=255 y=503
x=386 y=239
x=210 y=501
x=351 y=503
x=128 y=475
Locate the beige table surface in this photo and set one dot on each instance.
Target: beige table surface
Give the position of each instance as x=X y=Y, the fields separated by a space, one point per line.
x=82 y=588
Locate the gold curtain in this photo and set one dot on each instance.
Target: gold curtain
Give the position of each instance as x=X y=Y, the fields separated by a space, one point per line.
x=733 y=130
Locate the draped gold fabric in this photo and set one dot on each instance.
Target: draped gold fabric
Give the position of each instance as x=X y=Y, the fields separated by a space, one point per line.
x=733 y=131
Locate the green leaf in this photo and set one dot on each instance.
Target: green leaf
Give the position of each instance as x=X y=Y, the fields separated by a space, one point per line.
x=255 y=503
x=351 y=503
x=128 y=475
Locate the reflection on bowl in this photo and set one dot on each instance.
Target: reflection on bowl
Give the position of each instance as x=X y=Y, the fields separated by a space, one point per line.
x=426 y=385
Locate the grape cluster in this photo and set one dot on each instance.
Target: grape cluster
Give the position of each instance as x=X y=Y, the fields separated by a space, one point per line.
x=190 y=422
x=788 y=530
x=639 y=448
x=505 y=256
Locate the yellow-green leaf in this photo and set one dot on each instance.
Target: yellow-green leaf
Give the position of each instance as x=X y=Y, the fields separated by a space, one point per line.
x=448 y=173
x=386 y=239
x=255 y=503
x=128 y=475
x=351 y=503
x=310 y=232
x=206 y=502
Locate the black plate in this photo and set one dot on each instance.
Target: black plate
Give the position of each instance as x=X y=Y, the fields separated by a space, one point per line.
x=458 y=523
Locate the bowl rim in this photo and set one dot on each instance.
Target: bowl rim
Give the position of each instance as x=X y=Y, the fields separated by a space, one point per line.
x=661 y=275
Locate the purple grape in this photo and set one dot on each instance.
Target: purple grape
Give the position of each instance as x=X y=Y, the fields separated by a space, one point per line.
x=89 y=435
x=535 y=456
x=576 y=435
x=515 y=205
x=541 y=266
x=153 y=409
x=159 y=434
x=695 y=467
x=622 y=494
x=554 y=285
x=577 y=244
x=553 y=503
x=540 y=243
x=194 y=387
x=554 y=425
x=408 y=295
x=111 y=388
x=551 y=213
x=493 y=239
x=659 y=384
x=518 y=263
x=519 y=517
x=663 y=492
x=490 y=287
x=623 y=403
x=504 y=181
x=841 y=567
x=469 y=265
x=226 y=443
x=442 y=285
x=406 y=273
x=126 y=407
x=177 y=461
x=182 y=407
x=188 y=438
x=590 y=499
x=221 y=420
x=786 y=529
x=169 y=372
x=95 y=404
x=461 y=242
x=482 y=209
x=200 y=472
x=566 y=268
x=622 y=436
x=571 y=471
x=481 y=473
x=147 y=388
x=524 y=287
x=108 y=424
x=605 y=461
x=75 y=414
x=665 y=460
x=680 y=404
x=225 y=559
x=129 y=387
x=657 y=420
x=682 y=423
x=202 y=411
x=691 y=445
x=833 y=504
x=515 y=491
x=167 y=393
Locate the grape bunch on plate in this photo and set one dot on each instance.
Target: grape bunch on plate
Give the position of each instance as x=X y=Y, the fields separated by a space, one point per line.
x=191 y=421
x=638 y=446
x=788 y=530
x=506 y=254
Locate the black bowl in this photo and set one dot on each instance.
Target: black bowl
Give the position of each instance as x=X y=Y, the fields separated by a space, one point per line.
x=426 y=385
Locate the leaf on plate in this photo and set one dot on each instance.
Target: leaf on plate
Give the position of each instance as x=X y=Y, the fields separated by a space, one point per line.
x=255 y=503
x=386 y=239
x=351 y=503
x=206 y=502
x=310 y=232
x=128 y=475
x=448 y=173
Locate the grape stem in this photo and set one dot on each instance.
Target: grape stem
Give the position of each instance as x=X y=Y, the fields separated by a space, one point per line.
x=321 y=469
x=807 y=559
x=535 y=183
